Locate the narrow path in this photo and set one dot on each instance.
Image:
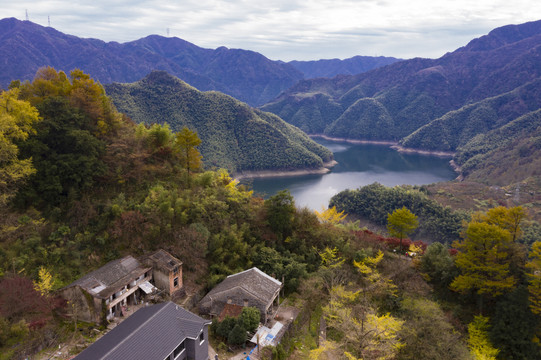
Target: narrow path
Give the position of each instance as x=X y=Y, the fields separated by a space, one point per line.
x=322 y=330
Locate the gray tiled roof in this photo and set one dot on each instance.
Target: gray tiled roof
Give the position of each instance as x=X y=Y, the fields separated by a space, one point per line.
x=153 y=332
x=111 y=277
x=253 y=282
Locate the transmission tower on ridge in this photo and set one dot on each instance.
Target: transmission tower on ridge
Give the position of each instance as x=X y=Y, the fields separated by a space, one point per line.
x=26 y=10
x=49 y=20
x=168 y=32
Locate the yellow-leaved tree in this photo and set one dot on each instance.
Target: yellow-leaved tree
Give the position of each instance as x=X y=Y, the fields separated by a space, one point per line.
x=17 y=118
x=372 y=336
x=187 y=141
x=480 y=346
x=401 y=223
x=331 y=270
x=505 y=218
x=44 y=285
x=330 y=215
x=363 y=332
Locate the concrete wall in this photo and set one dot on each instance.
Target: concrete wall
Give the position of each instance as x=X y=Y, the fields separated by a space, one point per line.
x=82 y=304
x=166 y=280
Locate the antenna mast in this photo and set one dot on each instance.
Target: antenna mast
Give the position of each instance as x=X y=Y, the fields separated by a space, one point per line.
x=168 y=32
x=49 y=20
x=26 y=10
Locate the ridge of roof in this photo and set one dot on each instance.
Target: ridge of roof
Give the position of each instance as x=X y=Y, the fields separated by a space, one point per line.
x=233 y=282
x=240 y=287
x=259 y=272
x=134 y=331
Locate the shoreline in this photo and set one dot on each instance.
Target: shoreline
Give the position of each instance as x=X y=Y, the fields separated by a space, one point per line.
x=328 y=165
x=457 y=169
x=402 y=149
x=354 y=141
x=393 y=145
x=284 y=173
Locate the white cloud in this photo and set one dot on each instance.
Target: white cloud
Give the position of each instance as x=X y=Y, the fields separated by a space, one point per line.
x=286 y=29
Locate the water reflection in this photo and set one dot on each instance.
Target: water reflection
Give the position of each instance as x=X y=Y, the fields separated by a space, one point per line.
x=358 y=165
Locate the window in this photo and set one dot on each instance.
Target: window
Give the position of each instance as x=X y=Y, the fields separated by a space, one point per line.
x=178 y=350
x=175 y=282
x=175 y=270
x=201 y=337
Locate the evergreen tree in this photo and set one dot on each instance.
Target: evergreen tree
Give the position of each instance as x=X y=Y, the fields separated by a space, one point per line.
x=484 y=261
x=513 y=327
x=281 y=213
x=237 y=336
x=534 y=286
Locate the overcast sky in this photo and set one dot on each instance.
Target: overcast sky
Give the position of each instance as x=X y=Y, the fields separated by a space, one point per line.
x=286 y=29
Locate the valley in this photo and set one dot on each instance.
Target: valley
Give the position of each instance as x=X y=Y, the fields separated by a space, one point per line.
x=357 y=165
x=114 y=151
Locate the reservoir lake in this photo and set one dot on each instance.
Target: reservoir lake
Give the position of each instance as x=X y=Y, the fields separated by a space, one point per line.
x=358 y=165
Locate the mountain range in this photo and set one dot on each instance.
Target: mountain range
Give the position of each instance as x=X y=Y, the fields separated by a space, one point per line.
x=234 y=135
x=245 y=75
x=460 y=102
x=434 y=104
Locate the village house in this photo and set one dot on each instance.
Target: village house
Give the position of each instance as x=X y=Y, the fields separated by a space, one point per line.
x=166 y=272
x=159 y=332
x=251 y=287
x=106 y=292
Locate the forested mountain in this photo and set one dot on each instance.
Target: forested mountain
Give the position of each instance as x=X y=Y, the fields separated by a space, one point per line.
x=435 y=104
x=83 y=185
x=235 y=136
x=245 y=75
x=329 y=68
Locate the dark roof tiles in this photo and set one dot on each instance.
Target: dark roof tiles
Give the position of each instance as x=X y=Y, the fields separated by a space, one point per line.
x=253 y=282
x=153 y=332
x=111 y=277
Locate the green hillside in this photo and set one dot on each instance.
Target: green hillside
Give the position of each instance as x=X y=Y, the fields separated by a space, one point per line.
x=444 y=104
x=82 y=185
x=505 y=155
x=234 y=135
x=456 y=128
x=367 y=118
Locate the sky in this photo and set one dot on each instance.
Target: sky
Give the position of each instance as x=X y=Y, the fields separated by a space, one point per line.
x=286 y=29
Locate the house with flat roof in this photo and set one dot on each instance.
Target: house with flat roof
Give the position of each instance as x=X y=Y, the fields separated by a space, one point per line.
x=251 y=287
x=164 y=331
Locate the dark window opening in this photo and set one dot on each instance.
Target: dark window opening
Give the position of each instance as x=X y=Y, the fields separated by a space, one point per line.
x=202 y=337
x=178 y=350
x=175 y=282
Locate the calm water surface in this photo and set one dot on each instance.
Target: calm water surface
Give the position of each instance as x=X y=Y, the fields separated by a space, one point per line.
x=358 y=165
